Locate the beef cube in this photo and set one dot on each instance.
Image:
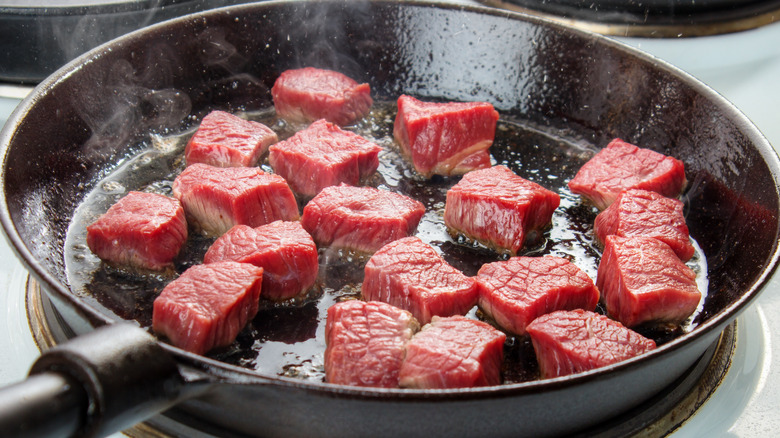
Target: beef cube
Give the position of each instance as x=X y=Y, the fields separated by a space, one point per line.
x=517 y=291
x=410 y=274
x=445 y=138
x=638 y=212
x=208 y=305
x=225 y=140
x=365 y=343
x=323 y=155
x=360 y=218
x=498 y=208
x=621 y=166
x=309 y=94
x=572 y=341
x=284 y=250
x=143 y=230
x=453 y=352
x=215 y=199
x=642 y=280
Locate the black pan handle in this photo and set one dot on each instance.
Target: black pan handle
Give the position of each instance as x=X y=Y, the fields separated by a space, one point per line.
x=93 y=385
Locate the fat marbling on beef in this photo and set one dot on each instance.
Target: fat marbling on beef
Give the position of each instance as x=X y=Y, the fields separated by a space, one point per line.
x=143 y=230
x=638 y=212
x=226 y=140
x=360 y=218
x=308 y=94
x=284 y=250
x=208 y=305
x=642 y=280
x=498 y=208
x=323 y=155
x=448 y=138
x=514 y=292
x=621 y=165
x=453 y=352
x=365 y=343
x=573 y=341
x=215 y=199
x=410 y=274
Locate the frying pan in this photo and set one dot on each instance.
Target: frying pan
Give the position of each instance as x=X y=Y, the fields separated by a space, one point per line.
x=570 y=84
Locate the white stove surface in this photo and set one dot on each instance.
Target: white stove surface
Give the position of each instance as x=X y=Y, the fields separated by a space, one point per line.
x=744 y=68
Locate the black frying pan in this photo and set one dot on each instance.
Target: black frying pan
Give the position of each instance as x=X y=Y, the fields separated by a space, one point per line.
x=568 y=84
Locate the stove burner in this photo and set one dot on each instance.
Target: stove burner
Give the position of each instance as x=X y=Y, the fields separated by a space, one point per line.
x=657 y=417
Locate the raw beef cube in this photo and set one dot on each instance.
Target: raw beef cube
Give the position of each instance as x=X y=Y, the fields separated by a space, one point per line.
x=284 y=250
x=410 y=274
x=365 y=343
x=498 y=208
x=225 y=140
x=621 y=166
x=445 y=138
x=308 y=94
x=360 y=218
x=323 y=155
x=215 y=199
x=453 y=352
x=638 y=212
x=208 y=305
x=572 y=341
x=517 y=291
x=143 y=230
x=642 y=280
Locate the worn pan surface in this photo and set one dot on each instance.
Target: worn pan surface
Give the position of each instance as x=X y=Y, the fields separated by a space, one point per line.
x=571 y=85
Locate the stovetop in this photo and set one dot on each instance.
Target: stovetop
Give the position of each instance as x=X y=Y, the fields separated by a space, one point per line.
x=744 y=67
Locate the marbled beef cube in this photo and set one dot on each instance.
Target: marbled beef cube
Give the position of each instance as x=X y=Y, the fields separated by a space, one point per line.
x=208 y=305
x=572 y=341
x=284 y=250
x=308 y=94
x=226 y=140
x=453 y=352
x=143 y=230
x=449 y=138
x=642 y=280
x=215 y=199
x=517 y=291
x=638 y=212
x=621 y=166
x=366 y=343
x=498 y=208
x=323 y=155
x=360 y=218
x=410 y=274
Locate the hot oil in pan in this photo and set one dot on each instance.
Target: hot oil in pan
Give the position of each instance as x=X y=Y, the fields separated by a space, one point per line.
x=288 y=339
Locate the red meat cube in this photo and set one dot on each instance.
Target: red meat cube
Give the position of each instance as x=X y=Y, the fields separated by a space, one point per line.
x=308 y=94
x=284 y=250
x=621 y=166
x=445 y=138
x=215 y=199
x=365 y=343
x=638 y=212
x=410 y=274
x=572 y=341
x=225 y=140
x=498 y=208
x=143 y=230
x=453 y=352
x=323 y=155
x=517 y=291
x=642 y=280
x=208 y=305
x=360 y=218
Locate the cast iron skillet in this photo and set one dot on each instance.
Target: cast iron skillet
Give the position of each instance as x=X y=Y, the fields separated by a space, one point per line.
x=573 y=85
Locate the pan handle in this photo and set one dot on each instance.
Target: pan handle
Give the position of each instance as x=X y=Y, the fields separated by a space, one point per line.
x=93 y=385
